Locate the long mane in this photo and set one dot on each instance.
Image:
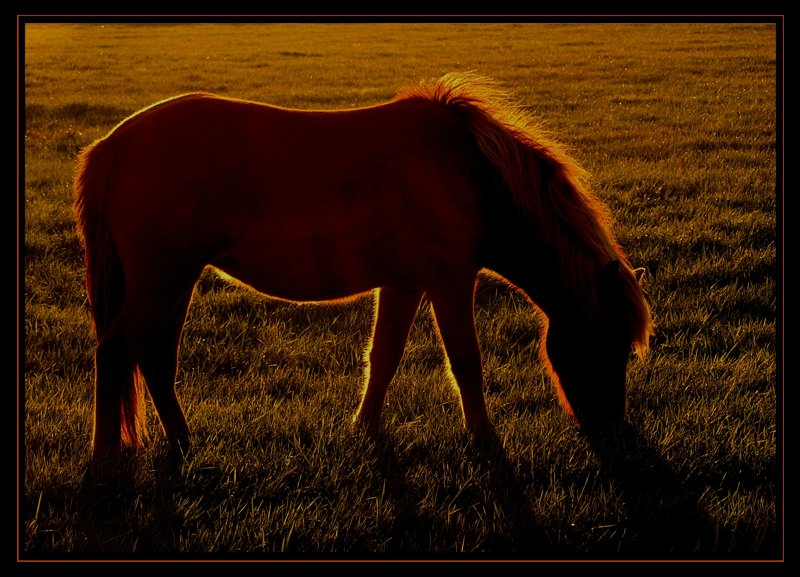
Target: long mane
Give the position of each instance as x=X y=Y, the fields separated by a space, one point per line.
x=550 y=189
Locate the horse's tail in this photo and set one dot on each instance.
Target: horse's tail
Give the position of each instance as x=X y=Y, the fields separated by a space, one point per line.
x=105 y=280
x=548 y=187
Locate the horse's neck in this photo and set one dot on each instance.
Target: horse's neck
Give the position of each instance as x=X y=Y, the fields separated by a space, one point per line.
x=514 y=249
x=544 y=287
x=534 y=271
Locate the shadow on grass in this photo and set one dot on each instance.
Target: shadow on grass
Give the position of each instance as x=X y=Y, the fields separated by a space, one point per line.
x=126 y=513
x=522 y=534
x=665 y=518
x=662 y=519
x=490 y=494
x=123 y=512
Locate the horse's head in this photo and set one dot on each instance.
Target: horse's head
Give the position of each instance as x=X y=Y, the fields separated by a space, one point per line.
x=589 y=356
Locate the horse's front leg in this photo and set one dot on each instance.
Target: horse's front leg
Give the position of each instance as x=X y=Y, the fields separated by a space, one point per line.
x=453 y=307
x=396 y=310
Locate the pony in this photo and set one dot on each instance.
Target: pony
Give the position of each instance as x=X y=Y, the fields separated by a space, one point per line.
x=410 y=198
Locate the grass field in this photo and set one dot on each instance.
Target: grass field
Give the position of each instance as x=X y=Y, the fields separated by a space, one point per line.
x=676 y=123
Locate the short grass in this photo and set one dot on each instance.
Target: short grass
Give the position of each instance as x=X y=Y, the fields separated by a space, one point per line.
x=676 y=122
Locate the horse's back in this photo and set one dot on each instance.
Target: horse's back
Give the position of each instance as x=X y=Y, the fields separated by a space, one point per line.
x=338 y=201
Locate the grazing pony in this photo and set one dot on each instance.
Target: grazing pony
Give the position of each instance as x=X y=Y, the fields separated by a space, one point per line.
x=412 y=197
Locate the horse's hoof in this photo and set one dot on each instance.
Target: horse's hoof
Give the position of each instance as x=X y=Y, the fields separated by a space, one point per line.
x=370 y=427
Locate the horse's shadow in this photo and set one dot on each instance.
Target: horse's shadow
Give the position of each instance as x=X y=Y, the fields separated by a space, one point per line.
x=665 y=511
x=662 y=515
x=419 y=532
x=112 y=502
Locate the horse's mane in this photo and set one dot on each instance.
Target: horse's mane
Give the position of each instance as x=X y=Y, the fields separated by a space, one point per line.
x=549 y=188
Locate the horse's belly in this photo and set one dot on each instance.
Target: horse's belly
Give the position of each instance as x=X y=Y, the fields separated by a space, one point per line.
x=321 y=267
x=307 y=280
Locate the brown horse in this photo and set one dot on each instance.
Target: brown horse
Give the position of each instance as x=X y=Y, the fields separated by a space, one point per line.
x=413 y=197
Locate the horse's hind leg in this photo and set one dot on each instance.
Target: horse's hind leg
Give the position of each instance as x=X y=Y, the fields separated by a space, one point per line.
x=396 y=310
x=118 y=394
x=159 y=365
x=113 y=376
x=453 y=307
